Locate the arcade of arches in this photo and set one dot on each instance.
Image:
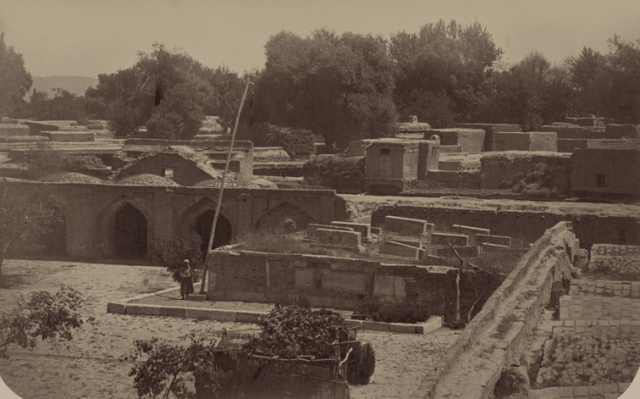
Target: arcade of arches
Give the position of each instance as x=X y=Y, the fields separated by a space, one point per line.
x=109 y=221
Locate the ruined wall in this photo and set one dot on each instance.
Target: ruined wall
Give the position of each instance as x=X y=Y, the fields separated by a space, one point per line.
x=525 y=225
x=490 y=130
x=185 y=172
x=495 y=168
x=616 y=258
x=613 y=165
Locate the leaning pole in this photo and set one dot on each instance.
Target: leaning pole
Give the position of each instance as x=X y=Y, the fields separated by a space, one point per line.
x=224 y=176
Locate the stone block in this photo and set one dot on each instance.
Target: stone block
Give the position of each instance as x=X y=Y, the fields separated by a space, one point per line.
x=249 y=317
x=389 y=286
x=469 y=140
x=142 y=310
x=197 y=313
x=470 y=231
x=464 y=252
x=7 y=129
x=497 y=240
x=312 y=227
x=511 y=141
x=447 y=238
x=375 y=326
x=223 y=315
x=118 y=308
x=376 y=230
x=432 y=324
x=350 y=239
x=172 y=311
x=397 y=249
x=405 y=226
x=343 y=281
x=354 y=323
x=543 y=141
x=304 y=278
x=363 y=228
x=69 y=136
x=402 y=328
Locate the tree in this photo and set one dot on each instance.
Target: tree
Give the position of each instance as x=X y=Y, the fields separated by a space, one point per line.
x=25 y=215
x=441 y=71
x=165 y=90
x=41 y=315
x=224 y=98
x=15 y=81
x=63 y=106
x=589 y=74
x=336 y=86
x=623 y=101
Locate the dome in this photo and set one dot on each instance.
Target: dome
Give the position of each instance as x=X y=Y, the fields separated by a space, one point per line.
x=255 y=183
x=146 y=180
x=70 y=177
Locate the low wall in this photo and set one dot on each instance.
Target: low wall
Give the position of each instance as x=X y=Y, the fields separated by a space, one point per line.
x=599 y=308
x=617 y=258
x=623 y=289
x=590 y=228
x=209 y=144
x=334 y=282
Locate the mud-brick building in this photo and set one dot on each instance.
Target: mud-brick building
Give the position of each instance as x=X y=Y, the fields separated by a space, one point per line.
x=392 y=164
x=120 y=220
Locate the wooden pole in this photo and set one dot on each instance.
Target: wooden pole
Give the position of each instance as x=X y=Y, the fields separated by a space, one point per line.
x=224 y=176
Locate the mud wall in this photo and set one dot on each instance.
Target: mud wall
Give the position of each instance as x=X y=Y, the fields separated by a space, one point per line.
x=527 y=226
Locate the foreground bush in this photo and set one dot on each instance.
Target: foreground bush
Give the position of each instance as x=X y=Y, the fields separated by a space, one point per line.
x=336 y=172
x=541 y=181
x=362 y=364
x=408 y=311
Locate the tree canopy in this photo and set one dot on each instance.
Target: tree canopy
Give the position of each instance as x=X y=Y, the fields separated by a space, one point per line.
x=15 y=81
x=338 y=86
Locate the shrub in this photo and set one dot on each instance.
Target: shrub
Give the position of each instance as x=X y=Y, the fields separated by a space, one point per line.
x=408 y=311
x=291 y=331
x=296 y=142
x=541 y=181
x=362 y=364
x=335 y=172
x=41 y=159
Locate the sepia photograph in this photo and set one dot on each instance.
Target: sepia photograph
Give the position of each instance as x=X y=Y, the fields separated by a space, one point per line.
x=353 y=199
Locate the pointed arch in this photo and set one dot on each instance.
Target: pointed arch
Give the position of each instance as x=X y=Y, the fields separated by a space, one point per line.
x=111 y=223
x=198 y=217
x=284 y=217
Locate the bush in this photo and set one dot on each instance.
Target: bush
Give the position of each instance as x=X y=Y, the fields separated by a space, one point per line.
x=336 y=172
x=408 y=311
x=362 y=364
x=296 y=142
x=541 y=181
x=291 y=331
x=42 y=160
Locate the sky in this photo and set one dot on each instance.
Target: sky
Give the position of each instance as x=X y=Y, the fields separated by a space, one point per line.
x=89 y=37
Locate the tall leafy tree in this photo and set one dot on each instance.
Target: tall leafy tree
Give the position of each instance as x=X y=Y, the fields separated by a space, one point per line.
x=623 y=103
x=442 y=71
x=15 y=81
x=339 y=86
x=590 y=76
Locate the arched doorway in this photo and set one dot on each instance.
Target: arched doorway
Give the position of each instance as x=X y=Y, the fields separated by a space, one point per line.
x=223 y=230
x=130 y=229
x=54 y=242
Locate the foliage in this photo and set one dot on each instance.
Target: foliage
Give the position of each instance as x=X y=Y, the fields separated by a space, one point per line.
x=15 y=81
x=42 y=314
x=42 y=160
x=296 y=142
x=25 y=213
x=623 y=102
x=445 y=62
x=362 y=364
x=337 y=86
x=224 y=98
x=541 y=181
x=171 y=368
x=335 y=172
x=172 y=252
x=63 y=106
x=292 y=331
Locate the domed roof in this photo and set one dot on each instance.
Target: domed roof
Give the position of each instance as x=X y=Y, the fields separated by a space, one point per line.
x=146 y=180
x=255 y=183
x=70 y=177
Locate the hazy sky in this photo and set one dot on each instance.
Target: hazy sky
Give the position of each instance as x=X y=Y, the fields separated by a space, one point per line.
x=88 y=37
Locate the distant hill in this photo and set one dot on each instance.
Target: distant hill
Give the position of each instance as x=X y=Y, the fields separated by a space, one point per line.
x=74 y=84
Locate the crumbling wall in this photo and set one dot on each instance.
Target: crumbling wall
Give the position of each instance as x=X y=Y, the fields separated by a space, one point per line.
x=527 y=225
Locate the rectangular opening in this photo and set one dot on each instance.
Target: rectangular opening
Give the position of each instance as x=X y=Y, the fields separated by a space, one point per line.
x=600 y=181
x=167 y=172
x=385 y=151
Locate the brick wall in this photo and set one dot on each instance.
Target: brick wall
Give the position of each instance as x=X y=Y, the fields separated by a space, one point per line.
x=617 y=258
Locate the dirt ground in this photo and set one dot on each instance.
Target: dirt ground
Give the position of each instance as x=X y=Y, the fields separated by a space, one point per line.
x=89 y=366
